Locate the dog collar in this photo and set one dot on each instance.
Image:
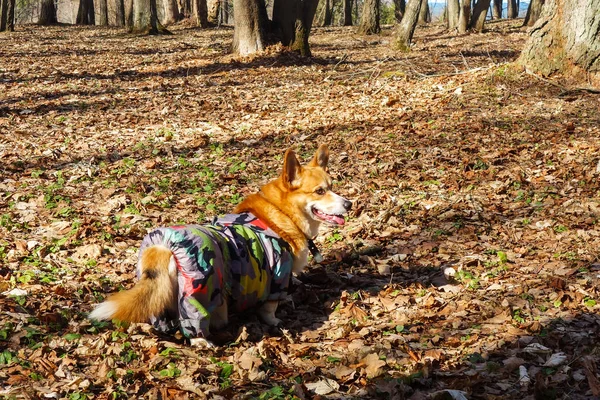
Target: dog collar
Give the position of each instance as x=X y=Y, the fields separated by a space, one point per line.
x=317 y=256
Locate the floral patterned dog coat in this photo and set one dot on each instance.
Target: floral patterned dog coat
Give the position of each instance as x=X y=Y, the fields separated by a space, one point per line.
x=238 y=257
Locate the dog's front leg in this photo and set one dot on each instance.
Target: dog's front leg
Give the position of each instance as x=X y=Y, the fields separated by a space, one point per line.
x=266 y=312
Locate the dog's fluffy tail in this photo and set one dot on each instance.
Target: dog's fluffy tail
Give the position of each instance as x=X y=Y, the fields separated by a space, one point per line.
x=153 y=294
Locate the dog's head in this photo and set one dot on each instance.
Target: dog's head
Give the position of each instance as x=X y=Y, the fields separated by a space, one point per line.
x=308 y=190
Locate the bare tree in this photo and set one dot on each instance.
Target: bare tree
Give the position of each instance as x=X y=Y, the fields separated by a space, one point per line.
x=424 y=14
x=85 y=13
x=47 y=13
x=170 y=11
x=452 y=12
x=347 y=12
x=3 y=15
x=102 y=12
x=406 y=29
x=328 y=11
x=533 y=12
x=464 y=16
x=497 y=9
x=305 y=14
x=144 y=18
x=479 y=13
x=120 y=13
x=369 y=20
x=213 y=11
x=566 y=40
x=399 y=8
x=250 y=22
x=512 y=9
x=200 y=11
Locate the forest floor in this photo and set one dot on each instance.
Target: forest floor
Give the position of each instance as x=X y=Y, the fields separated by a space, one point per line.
x=469 y=265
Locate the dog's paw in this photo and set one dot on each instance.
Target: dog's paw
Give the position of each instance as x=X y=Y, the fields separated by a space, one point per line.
x=202 y=343
x=270 y=319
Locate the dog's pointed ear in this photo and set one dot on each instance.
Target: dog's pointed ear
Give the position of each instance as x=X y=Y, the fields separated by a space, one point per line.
x=291 y=169
x=321 y=157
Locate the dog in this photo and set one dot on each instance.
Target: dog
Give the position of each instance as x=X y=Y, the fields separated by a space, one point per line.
x=190 y=276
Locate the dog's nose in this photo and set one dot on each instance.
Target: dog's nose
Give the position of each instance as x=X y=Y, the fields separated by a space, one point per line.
x=347 y=205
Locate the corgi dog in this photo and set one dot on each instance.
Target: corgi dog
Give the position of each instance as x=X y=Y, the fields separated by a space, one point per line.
x=191 y=276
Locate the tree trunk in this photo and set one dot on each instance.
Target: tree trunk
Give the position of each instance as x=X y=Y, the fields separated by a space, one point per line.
x=566 y=40
x=497 y=9
x=284 y=20
x=103 y=12
x=424 y=14
x=464 y=16
x=512 y=9
x=452 y=12
x=533 y=12
x=479 y=14
x=10 y=19
x=213 y=11
x=201 y=13
x=3 y=15
x=171 y=12
x=47 y=13
x=305 y=15
x=120 y=13
x=85 y=13
x=250 y=26
x=145 y=18
x=406 y=29
x=369 y=20
x=399 y=8
x=328 y=13
x=347 y=12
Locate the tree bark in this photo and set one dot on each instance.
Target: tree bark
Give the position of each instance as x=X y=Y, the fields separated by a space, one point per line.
x=120 y=13
x=103 y=12
x=565 y=40
x=452 y=12
x=10 y=18
x=171 y=12
x=424 y=14
x=406 y=29
x=213 y=11
x=369 y=20
x=201 y=13
x=479 y=13
x=347 y=12
x=533 y=12
x=284 y=20
x=512 y=9
x=3 y=15
x=144 y=17
x=250 y=27
x=47 y=13
x=305 y=15
x=328 y=19
x=399 y=8
x=85 y=13
x=464 y=16
x=497 y=9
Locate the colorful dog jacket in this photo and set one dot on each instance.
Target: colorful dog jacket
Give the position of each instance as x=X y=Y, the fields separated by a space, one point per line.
x=237 y=257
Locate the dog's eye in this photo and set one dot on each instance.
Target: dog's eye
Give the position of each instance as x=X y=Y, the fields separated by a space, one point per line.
x=320 y=191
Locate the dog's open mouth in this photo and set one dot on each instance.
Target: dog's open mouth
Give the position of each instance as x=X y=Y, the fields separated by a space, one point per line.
x=333 y=219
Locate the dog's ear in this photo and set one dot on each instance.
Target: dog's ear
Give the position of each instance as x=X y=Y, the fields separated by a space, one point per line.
x=291 y=169
x=321 y=157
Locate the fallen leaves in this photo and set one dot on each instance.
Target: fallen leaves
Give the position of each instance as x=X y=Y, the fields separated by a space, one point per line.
x=468 y=269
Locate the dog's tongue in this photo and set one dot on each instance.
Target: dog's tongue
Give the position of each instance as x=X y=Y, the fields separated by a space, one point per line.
x=334 y=219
